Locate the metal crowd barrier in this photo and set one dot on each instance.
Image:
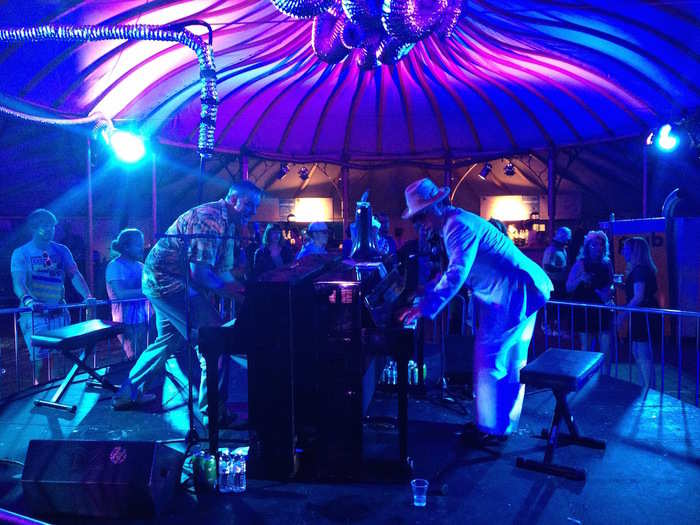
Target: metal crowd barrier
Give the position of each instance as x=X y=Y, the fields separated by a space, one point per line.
x=677 y=328
x=18 y=349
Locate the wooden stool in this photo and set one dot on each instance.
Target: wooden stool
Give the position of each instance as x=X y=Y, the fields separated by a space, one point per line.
x=83 y=335
x=563 y=371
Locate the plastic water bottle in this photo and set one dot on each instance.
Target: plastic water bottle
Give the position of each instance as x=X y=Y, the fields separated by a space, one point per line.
x=226 y=478
x=385 y=373
x=411 y=370
x=239 y=473
x=393 y=373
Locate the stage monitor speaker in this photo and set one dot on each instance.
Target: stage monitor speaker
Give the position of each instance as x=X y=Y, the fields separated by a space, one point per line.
x=100 y=478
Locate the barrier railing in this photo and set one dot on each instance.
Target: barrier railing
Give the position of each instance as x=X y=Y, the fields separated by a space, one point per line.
x=569 y=324
x=562 y=327
x=14 y=354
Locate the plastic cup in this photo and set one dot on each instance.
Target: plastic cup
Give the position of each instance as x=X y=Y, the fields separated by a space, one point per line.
x=420 y=491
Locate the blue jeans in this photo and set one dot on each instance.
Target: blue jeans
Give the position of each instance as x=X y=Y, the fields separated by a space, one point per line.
x=171 y=325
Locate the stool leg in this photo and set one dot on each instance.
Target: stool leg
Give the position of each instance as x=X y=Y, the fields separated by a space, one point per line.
x=566 y=413
x=547 y=465
x=574 y=435
x=553 y=435
x=56 y=398
x=81 y=363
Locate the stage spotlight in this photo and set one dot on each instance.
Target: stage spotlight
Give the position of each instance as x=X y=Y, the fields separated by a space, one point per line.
x=666 y=141
x=303 y=173
x=485 y=171
x=126 y=146
x=284 y=169
x=509 y=169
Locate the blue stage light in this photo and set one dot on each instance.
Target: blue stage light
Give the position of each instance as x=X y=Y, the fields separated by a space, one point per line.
x=127 y=146
x=666 y=141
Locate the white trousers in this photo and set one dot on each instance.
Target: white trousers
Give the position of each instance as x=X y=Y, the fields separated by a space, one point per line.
x=498 y=357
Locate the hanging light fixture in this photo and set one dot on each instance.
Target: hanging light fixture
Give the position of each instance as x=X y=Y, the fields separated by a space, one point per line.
x=509 y=169
x=284 y=169
x=303 y=173
x=485 y=171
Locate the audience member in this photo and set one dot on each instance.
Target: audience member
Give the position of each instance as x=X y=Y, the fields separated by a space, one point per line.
x=555 y=263
x=123 y=281
x=385 y=234
x=499 y=226
x=39 y=269
x=591 y=281
x=316 y=243
x=273 y=253
x=640 y=290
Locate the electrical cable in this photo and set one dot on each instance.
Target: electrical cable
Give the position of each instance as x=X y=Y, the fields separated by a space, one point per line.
x=11 y=461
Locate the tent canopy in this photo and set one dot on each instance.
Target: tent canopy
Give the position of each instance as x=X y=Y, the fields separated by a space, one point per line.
x=516 y=81
x=513 y=77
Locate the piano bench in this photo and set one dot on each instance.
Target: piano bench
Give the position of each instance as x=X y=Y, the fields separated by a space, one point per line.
x=562 y=371
x=83 y=335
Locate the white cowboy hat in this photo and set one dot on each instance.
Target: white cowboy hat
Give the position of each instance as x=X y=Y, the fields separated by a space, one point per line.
x=421 y=194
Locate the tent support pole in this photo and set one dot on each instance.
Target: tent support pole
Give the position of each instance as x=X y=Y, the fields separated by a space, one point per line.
x=154 y=197
x=200 y=179
x=448 y=172
x=244 y=166
x=345 y=203
x=645 y=181
x=551 y=197
x=91 y=236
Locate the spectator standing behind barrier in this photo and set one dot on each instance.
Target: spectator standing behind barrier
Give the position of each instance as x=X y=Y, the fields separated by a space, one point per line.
x=39 y=269
x=591 y=281
x=385 y=234
x=123 y=281
x=555 y=263
x=499 y=226
x=273 y=253
x=640 y=290
x=318 y=238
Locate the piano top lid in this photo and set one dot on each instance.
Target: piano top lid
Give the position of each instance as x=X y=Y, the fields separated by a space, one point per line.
x=342 y=275
x=305 y=268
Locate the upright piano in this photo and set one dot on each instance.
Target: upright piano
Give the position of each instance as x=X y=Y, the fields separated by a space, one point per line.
x=316 y=333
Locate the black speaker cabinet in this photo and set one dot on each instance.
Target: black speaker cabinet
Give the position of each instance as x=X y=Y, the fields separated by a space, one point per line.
x=100 y=478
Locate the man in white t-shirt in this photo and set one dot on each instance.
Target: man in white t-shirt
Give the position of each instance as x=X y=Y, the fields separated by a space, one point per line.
x=39 y=269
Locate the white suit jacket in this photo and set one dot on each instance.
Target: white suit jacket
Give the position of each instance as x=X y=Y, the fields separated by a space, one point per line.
x=509 y=284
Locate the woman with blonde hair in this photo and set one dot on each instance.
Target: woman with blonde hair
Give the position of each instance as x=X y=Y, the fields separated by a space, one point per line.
x=640 y=289
x=591 y=281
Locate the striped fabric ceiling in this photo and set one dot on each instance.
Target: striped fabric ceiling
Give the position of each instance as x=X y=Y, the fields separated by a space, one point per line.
x=514 y=76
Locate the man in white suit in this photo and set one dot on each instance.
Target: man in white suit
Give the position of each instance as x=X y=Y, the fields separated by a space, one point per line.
x=508 y=288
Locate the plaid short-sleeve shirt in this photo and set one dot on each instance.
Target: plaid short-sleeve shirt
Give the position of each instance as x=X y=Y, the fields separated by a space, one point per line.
x=163 y=272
